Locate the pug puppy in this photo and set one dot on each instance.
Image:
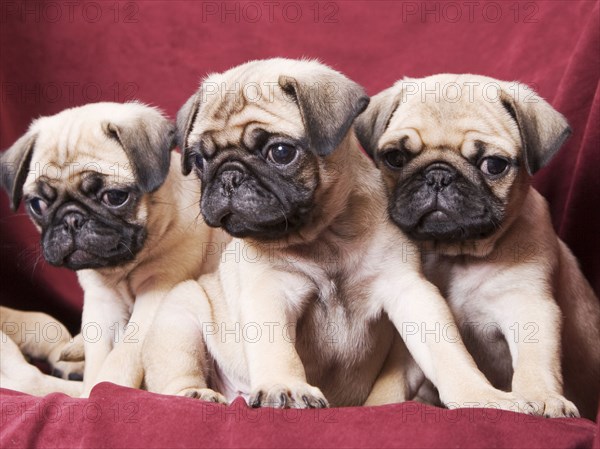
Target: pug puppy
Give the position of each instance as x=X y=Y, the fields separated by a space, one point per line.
x=297 y=313
x=96 y=181
x=36 y=336
x=457 y=166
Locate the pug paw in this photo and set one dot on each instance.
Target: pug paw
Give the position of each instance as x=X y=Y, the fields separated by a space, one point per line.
x=299 y=395
x=204 y=394
x=68 y=370
x=73 y=350
x=67 y=359
x=554 y=405
x=496 y=399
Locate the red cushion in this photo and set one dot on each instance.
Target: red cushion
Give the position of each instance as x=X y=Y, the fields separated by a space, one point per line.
x=158 y=51
x=121 y=417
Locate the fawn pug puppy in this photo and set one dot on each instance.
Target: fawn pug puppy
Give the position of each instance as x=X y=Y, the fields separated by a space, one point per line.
x=297 y=313
x=458 y=168
x=41 y=337
x=97 y=183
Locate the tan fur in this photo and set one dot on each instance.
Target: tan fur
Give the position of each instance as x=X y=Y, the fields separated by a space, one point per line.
x=521 y=279
x=120 y=302
x=41 y=337
x=175 y=250
x=332 y=285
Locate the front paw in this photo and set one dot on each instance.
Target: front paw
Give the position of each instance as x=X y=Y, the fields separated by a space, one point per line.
x=492 y=398
x=67 y=360
x=68 y=370
x=298 y=395
x=553 y=405
x=73 y=351
x=204 y=394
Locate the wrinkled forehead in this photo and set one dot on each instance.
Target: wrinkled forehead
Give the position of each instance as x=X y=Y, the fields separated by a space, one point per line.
x=68 y=149
x=448 y=113
x=233 y=105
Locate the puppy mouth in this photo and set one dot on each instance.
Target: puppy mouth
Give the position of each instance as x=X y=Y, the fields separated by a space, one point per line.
x=438 y=224
x=92 y=250
x=246 y=206
x=434 y=217
x=81 y=259
x=446 y=226
x=79 y=256
x=435 y=222
x=239 y=227
x=439 y=204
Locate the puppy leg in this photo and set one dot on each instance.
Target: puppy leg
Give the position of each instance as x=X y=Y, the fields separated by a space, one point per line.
x=399 y=379
x=74 y=350
x=534 y=343
x=41 y=337
x=17 y=374
x=421 y=314
x=102 y=316
x=277 y=375
x=174 y=353
x=123 y=365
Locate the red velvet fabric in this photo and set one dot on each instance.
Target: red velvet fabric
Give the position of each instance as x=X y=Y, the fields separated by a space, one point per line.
x=120 y=417
x=60 y=54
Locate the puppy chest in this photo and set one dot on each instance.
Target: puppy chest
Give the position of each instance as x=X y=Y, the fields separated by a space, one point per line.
x=336 y=327
x=342 y=351
x=463 y=283
x=109 y=291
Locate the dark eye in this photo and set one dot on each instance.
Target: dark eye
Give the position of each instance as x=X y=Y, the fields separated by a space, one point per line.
x=199 y=161
x=38 y=206
x=394 y=159
x=115 y=198
x=281 y=153
x=493 y=166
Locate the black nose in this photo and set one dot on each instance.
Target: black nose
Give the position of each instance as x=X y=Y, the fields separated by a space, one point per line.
x=73 y=221
x=231 y=180
x=439 y=176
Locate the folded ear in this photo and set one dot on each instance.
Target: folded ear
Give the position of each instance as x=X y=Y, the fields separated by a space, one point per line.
x=328 y=104
x=14 y=166
x=185 y=122
x=371 y=124
x=543 y=129
x=147 y=140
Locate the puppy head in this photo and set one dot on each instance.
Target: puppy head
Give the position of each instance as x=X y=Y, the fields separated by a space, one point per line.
x=456 y=153
x=261 y=137
x=85 y=175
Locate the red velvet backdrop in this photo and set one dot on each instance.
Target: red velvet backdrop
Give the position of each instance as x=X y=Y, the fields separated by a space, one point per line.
x=60 y=54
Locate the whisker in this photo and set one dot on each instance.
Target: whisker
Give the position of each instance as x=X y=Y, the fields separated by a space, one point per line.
x=285 y=217
x=35 y=263
x=127 y=248
x=12 y=217
x=195 y=203
x=199 y=216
